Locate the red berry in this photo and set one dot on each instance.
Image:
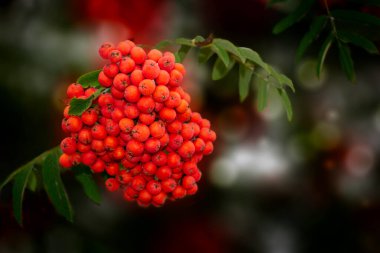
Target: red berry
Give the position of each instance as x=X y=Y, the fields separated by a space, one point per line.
x=112 y=184
x=68 y=145
x=153 y=187
x=74 y=90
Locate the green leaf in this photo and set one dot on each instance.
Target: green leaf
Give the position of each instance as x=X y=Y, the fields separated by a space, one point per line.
x=315 y=28
x=11 y=176
x=54 y=187
x=79 y=105
x=163 y=44
x=254 y=57
x=280 y=79
x=182 y=52
x=359 y=41
x=183 y=41
x=205 y=54
x=346 y=61
x=20 y=182
x=356 y=17
x=293 y=17
x=198 y=38
x=84 y=176
x=222 y=54
x=219 y=70
x=89 y=79
x=323 y=52
x=262 y=94
x=229 y=47
x=245 y=75
x=286 y=103
x=33 y=181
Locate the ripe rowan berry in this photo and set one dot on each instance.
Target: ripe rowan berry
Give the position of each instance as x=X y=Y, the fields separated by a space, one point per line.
x=146 y=105
x=126 y=125
x=113 y=169
x=138 y=55
x=164 y=173
x=179 y=192
x=68 y=145
x=65 y=161
x=147 y=87
x=157 y=129
x=147 y=118
x=152 y=145
x=89 y=117
x=144 y=196
x=114 y=55
x=153 y=187
x=126 y=65
x=167 y=114
x=154 y=55
x=88 y=158
x=176 y=78
x=149 y=168
x=163 y=78
x=161 y=93
x=73 y=124
x=112 y=184
x=132 y=94
x=124 y=47
x=150 y=69
x=104 y=80
x=121 y=81
x=98 y=132
x=168 y=185
x=105 y=48
x=138 y=183
x=159 y=158
x=98 y=166
x=74 y=90
x=140 y=132
x=135 y=147
x=166 y=63
x=111 y=70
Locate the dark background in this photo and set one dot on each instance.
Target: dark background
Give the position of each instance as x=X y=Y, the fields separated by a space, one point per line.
x=311 y=185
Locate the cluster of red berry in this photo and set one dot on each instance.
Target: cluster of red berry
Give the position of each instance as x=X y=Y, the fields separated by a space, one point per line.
x=141 y=130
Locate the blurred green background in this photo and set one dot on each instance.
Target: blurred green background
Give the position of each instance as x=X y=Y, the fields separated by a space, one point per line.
x=271 y=186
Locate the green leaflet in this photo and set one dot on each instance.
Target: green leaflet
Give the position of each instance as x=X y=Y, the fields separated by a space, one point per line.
x=346 y=61
x=293 y=17
x=220 y=70
x=323 y=52
x=90 y=79
x=85 y=177
x=245 y=75
x=19 y=184
x=315 y=29
x=54 y=187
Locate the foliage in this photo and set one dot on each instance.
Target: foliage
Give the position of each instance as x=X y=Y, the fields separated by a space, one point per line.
x=341 y=27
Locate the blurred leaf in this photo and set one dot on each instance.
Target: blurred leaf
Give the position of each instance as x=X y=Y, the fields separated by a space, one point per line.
x=198 y=38
x=322 y=53
x=219 y=70
x=286 y=103
x=281 y=79
x=346 y=61
x=293 y=17
x=32 y=181
x=90 y=79
x=54 y=187
x=229 y=47
x=79 y=105
x=245 y=75
x=356 y=16
x=12 y=175
x=254 y=57
x=183 y=41
x=84 y=176
x=315 y=28
x=182 y=52
x=222 y=54
x=163 y=44
x=19 y=184
x=262 y=94
x=359 y=41
x=205 y=54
